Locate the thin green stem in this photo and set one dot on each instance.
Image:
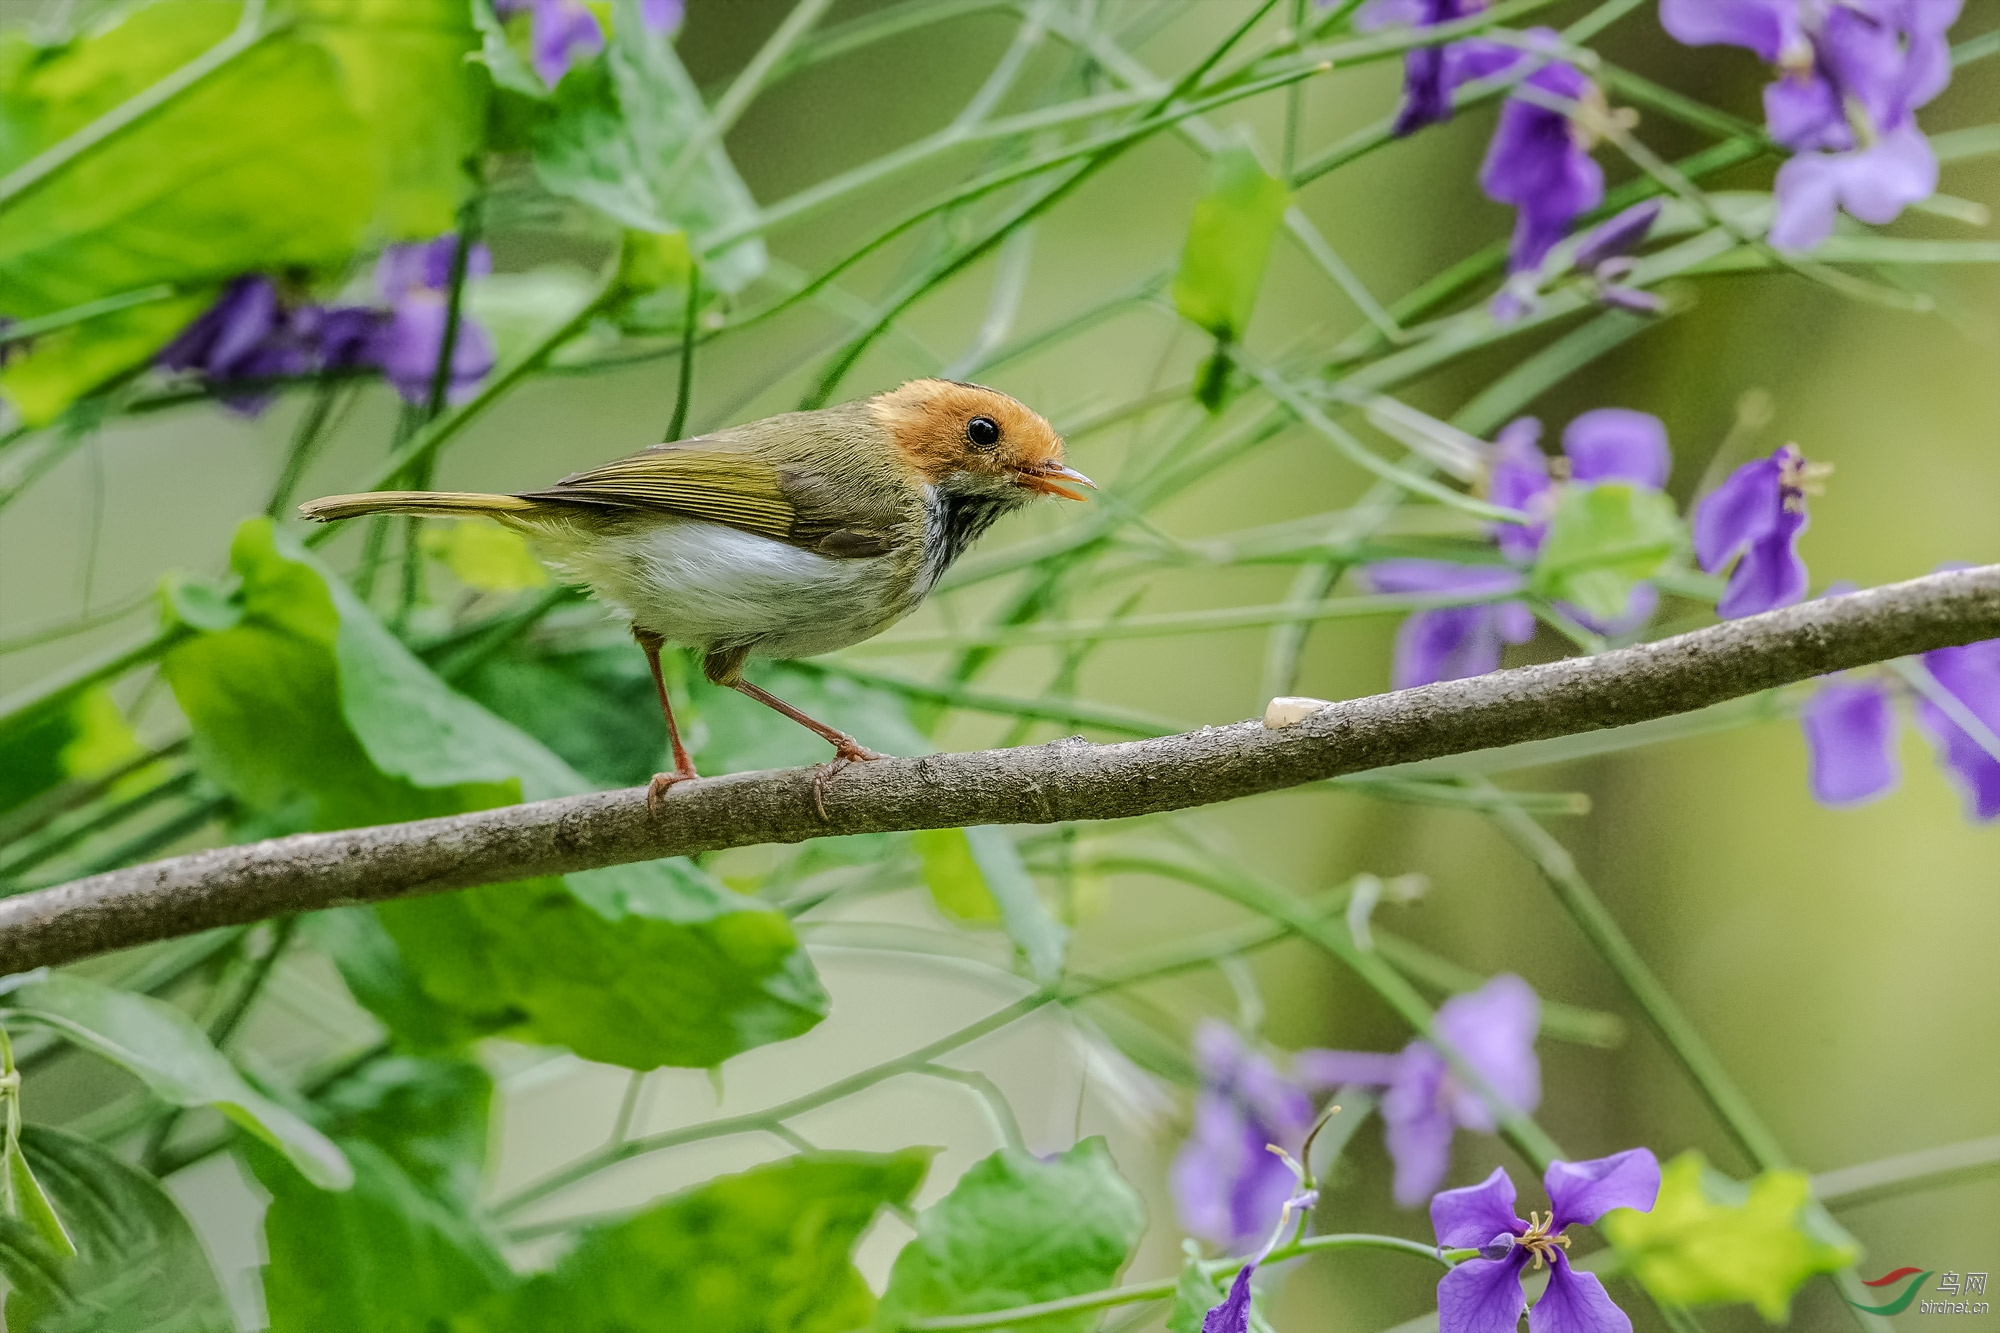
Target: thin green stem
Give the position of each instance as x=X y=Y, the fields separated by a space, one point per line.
x=690 y=322
x=1674 y=1029
x=742 y=91
x=1163 y=1288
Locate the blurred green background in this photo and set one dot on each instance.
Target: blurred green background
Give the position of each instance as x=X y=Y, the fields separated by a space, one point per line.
x=1844 y=965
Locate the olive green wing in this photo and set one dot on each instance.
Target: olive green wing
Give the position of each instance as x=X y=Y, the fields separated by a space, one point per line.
x=698 y=479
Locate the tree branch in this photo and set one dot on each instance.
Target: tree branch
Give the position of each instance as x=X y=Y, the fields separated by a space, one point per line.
x=1069 y=779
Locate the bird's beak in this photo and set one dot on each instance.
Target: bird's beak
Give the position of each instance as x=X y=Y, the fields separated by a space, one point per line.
x=1047 y=479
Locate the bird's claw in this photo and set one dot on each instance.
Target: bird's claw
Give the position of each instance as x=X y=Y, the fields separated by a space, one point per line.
x=656 y=790
x=848 y=751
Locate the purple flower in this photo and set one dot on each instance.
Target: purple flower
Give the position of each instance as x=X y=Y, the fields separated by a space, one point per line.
x=1233 y=1315
x=1484 y=1295
x=1431 y=74
x=1452 y=642
x=1850 y=731
x=1874 y=184
x=1226 y=1184
x=1539 y=161
x=246 y=336
x=662 y=15
x=1971 y=674
x=560 y=33
x=415 y=279
x=1852 y=76
x=1424 y=1104
x=1758 y=513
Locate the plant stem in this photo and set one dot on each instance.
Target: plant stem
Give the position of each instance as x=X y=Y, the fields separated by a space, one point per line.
x=690 y=319
x=1163 y=1288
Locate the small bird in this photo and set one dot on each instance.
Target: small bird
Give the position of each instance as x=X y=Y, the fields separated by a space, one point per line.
x=787 y=537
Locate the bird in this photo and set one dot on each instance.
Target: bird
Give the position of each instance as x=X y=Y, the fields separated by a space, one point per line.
x=788 y=537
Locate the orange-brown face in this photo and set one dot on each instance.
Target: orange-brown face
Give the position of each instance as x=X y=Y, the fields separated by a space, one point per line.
x=963 y=433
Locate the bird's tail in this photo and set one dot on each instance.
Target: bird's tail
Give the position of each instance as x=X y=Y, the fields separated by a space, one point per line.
x=333 y=508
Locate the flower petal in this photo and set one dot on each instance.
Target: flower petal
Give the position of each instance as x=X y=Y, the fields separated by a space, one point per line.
x=1742 y=509
x=1971 y=673
x=1518 y=478
x=1771 y=573
x=1851 y=736
x=1575 y=1302
x=1481 y=1296
x=1768 y=27
x=1233 y=1315
x=1465 y=1219
x=1620 y=235
x=1494 y=1028
x=1618 y=444
x=1324 y=1070
x=1582 y=1192
x=1441 y=576
x=1451 y=643
x=1535 y=163
x=1416 y=1128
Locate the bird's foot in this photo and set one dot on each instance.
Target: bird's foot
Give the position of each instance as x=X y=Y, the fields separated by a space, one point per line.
x=846 y=751
x=656 y=790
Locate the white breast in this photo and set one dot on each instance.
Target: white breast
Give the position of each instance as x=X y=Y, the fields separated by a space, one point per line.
x=715 y=586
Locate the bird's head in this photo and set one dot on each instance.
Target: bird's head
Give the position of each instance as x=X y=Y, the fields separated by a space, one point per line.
x=969 y=440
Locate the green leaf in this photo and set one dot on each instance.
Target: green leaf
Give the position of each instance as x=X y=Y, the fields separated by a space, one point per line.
x=139 y=1268
x=766 y=1250
x=387 y=1247
x=485 y=556
x=264 y=165
x=310 y=709
x=594 y=706
x=1603 y=540
x=976 y=874
x=1194 y=1296
x=619 y=127
x=81 y=738
x=507 y=67
x=742 y=734
x=428 y=1115
x=171 y=1055
x=952 y=875
x=60 y=367
x=28 y=1201
x=405 y=68
x=1710 y=1240
x=1017 y=1230
x=1229 y=242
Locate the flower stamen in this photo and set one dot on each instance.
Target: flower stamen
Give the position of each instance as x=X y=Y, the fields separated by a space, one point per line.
x=1537 y=1240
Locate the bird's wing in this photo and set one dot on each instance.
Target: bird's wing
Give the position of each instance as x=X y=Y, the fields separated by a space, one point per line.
x=702 y=479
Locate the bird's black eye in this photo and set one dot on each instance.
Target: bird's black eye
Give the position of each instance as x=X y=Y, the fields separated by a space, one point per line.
x=983 y=432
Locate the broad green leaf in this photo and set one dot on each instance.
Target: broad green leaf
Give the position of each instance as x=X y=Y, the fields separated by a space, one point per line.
x=382 y=983
x=1710 y=1240
x=1229 y=242
x=592 y=705
x=759 y=1252
x=139 y=1268
x=404 y=65
x=619 y=127
x=428 y=1115
x=1604 y=540
x=1194 y=1296
x=60 y=367
x=952 y=875
x=83 y=738
x=485 y=556
x=171 y=1055
x=27 y=1200
x=388 y=1255
x=265 y=165
x=1017 y=1230
x=975 y=874
x=310 y=709
x=508 y=67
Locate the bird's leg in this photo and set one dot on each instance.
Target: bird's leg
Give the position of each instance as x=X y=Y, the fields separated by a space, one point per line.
x=725 y=667
x=683 y=765
x=846 y=749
